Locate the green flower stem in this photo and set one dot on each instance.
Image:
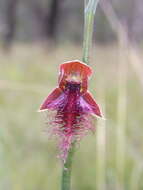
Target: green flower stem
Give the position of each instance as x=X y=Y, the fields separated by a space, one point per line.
x=66 y=175
x=90 y=9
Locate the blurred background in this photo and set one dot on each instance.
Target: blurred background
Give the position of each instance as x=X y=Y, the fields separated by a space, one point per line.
x=35 y=37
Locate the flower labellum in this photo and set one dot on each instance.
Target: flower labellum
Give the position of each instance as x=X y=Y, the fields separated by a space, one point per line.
x=72 y=104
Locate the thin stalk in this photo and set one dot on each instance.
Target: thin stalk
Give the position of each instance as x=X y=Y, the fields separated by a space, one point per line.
x=100 y=180
x=90 y=8
x=121 y=111
x=66 y=175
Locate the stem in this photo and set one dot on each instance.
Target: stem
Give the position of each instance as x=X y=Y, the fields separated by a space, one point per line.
x=66 y=175
x=90 y=9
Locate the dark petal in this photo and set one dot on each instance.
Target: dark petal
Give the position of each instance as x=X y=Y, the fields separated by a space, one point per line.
x=54 y=100
x=88 y=104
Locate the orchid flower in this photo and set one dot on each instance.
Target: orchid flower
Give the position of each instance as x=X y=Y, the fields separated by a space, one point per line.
x=72 y=104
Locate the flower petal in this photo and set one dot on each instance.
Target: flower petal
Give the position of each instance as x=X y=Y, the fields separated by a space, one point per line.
x=54 y=99
x=76 y=67
x=90 y=104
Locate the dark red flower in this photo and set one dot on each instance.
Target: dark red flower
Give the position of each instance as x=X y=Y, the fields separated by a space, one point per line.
x=72 y=104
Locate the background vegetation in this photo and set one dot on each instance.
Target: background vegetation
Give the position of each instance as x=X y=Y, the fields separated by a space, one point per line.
x=29 y=59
